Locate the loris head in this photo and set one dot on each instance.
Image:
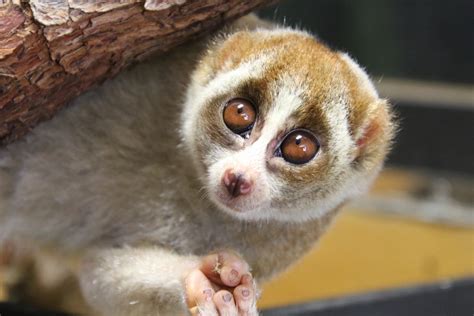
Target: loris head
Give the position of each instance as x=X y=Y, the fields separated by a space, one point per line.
x=281 y=127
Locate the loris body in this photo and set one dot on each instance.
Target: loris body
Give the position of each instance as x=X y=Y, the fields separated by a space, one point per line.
x=247 y=143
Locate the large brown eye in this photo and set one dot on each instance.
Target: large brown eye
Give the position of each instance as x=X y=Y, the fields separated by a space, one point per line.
x=239 y=115
x=299 y=147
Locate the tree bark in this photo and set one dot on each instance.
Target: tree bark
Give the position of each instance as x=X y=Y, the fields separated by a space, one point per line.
x=53 y=50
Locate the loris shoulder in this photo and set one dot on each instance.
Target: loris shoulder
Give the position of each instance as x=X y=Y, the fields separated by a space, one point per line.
x=184 y=174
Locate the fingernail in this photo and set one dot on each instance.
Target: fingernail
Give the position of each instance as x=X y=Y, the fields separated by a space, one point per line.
x=234 y=275
x=227 y=297
x=245 y=292
x=208 y=294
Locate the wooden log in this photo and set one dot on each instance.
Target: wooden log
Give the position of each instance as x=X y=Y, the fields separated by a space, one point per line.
x=53 y=50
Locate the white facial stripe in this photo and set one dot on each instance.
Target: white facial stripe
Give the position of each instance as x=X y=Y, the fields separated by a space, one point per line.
x=286 y=98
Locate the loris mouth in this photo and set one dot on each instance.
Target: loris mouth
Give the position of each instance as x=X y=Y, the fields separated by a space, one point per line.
x=241 y=207
x=232 y=203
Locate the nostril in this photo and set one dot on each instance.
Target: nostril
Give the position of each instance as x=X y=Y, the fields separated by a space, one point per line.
x=229 y=178
x=236 y=184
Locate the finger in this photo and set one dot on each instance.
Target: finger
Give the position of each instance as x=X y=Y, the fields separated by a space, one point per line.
x=244 y=297
x=224 y=268
x=199 y=293
x=249 y=281
x=225 y=304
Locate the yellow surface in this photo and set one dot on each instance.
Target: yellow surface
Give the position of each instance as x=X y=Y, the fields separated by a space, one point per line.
x=368 y=252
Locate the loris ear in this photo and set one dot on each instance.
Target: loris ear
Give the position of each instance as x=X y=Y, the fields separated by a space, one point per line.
x=374 y=136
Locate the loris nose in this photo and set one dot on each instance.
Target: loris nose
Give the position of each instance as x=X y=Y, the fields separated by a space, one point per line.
x=236 y=184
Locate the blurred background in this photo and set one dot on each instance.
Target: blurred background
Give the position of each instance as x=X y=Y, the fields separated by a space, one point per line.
x=416 y=225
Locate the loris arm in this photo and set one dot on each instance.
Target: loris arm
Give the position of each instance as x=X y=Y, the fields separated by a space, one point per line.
x=154 y=281
x=131 y=281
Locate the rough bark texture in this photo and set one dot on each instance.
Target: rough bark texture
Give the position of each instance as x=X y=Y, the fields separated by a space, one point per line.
x=54 y=50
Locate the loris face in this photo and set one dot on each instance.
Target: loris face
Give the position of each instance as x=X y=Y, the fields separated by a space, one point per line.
x=281 y=127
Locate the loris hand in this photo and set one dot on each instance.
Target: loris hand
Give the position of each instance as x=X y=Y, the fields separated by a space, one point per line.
x=222 y=285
